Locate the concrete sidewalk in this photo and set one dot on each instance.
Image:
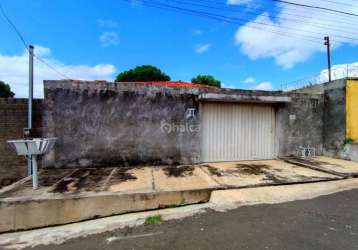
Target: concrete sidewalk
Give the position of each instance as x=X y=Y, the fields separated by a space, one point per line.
x=67 y=195
x=222 y=200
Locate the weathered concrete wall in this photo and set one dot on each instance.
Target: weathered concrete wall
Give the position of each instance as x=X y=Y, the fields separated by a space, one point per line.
x=334 y=119
x=311 y=89
x=28 y=213
x=350 y=152
x=13 y=119
x=120 y=124
x=105 y=124
x=300 y=123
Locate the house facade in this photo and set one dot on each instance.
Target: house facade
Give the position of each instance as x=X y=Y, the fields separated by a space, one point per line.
x=106 y=123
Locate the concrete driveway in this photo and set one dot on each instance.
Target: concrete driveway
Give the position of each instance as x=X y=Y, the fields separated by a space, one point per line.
x=258 y=173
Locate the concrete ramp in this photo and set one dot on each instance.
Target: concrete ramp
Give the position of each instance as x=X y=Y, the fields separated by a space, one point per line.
x=245 y=174
x=328 y=165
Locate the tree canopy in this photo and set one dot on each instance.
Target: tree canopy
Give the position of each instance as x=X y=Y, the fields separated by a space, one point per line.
x=5 y=90
x=144 y=73
x=206 y=80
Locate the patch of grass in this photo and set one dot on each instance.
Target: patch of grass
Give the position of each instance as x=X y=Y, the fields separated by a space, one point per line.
x=155 y=219
x=171 y=206
x=348 y=141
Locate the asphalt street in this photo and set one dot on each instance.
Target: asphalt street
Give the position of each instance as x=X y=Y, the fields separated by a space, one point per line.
x=327 y=222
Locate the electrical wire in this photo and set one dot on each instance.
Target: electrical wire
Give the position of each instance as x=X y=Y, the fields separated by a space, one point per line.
x=241 y=21
x=231 y=20
x=316 y=7
x=347 y=22
x=338 y=3
x=51 y=67
x=22 y=39
x=13 y=26
x=198 y=3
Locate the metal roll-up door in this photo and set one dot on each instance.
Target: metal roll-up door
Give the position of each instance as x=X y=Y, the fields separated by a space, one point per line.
x=233 y=132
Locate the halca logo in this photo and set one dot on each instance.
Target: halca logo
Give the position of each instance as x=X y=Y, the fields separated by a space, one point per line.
x=168 y=128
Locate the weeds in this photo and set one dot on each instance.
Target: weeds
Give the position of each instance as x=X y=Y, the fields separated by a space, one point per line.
x=171 y=206
x=155 y=219
x=348 y=141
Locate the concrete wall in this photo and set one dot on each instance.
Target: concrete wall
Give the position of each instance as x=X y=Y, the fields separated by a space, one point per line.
x=13 y=119
x=103 y=124
x=120 y=124
x=350 y=152
x=334 y=119
x=311 y=89
x=300 y=123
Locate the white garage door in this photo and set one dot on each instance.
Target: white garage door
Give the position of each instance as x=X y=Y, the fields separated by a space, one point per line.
x=237 y=132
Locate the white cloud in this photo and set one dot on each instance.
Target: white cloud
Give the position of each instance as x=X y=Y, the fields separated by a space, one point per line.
x=202 y=48
x=249 y=80
x=109 y=39
x=14 y=70
x=107 y=23
x=263 y=86
x=340 y=71
x=238 y=2
x=289 y=49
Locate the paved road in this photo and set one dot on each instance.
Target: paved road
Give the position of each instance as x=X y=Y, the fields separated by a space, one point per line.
x=328 y=222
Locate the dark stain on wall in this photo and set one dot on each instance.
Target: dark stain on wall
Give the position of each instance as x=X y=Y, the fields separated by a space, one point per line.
x=120 y=128
x=334 y=118
x=300 y=124
x=119 y=124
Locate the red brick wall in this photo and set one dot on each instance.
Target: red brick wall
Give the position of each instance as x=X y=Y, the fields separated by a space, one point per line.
x=13 y=118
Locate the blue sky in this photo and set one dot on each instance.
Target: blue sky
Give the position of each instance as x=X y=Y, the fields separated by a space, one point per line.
x=98 y=39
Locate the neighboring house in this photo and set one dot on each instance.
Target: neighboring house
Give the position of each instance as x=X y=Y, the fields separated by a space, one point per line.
x=340 y=113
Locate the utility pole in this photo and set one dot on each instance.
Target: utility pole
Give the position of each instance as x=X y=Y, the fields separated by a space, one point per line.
x=28 y=131
x=327 y=43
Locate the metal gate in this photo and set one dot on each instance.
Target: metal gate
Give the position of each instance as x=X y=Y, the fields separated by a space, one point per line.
x=233 y=132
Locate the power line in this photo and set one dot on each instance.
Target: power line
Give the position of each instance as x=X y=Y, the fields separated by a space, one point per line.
x=338 y=3
x=316 y=7
x=242 y=21
x=51 y=67
x=198 y=3
x=287 y=12
x=227 y=19
x=21 y=37
x=13 y=26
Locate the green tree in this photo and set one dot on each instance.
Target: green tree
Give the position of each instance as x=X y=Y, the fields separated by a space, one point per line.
x=206 y=80
x=5 y=90
x=144 y=73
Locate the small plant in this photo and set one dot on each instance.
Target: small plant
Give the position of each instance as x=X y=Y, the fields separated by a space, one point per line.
x=348 y=141
x=171 y=206
x=155 y=219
